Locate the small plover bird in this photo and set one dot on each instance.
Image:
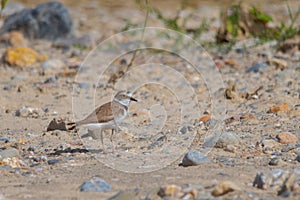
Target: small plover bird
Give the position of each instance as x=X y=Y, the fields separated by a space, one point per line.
x=107 y=116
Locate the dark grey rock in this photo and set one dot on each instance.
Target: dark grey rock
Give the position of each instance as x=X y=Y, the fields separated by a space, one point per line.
x=257 y=67
x=298 y=157
x=183 y=130
x=31 y=148
x=6 y=140
x=27 y=111
x=9 y=153
x=193 y=158
x=50 y=80
x=53 y=161
x=95 y=184
x=275 y=161
x=8 y=87
x=46 y=21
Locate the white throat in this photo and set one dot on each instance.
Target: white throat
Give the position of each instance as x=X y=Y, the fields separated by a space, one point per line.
x=124 y=102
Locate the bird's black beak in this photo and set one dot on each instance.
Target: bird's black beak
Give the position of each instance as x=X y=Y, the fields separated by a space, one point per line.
x=133 y=99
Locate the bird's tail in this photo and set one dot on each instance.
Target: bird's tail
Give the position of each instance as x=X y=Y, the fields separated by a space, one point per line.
x=71 y=126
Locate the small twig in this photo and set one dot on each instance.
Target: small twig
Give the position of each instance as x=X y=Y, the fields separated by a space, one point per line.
x=135 y=51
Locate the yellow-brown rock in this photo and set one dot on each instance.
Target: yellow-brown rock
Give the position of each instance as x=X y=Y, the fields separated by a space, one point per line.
x=22 y=56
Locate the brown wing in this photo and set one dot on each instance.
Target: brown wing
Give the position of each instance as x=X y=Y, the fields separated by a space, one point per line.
x=96 y=117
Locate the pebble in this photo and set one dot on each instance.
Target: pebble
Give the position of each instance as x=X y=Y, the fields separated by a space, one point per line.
x=84 y=85
x=12 y=162
x=170 y=191
x=52 y=64
x=279 y=107
x=95 y=184
x=22 y=56
x=230 y=148
x=278 y=63
x=257 y=67
x=193 y=158
x=287 y=138
x=8 y=87
x=8 y=153
x=124 y=195
x=183 y=130
x=50 y=80
x=289 y=147
x=291 y=184
x=14 y=39
x=27 y=111
x=205 y=118
x=31 y=148
x=298 y=157
x=6 y=140
x=275 y=161
x=227 y=138
x=53 y=161
x=277 y=179
x=46 y=21
x=176 y=192
x=224 y=188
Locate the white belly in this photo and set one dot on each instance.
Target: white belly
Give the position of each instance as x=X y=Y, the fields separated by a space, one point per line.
x=100 y=126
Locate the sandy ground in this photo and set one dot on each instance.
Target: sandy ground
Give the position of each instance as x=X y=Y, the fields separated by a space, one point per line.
x=35 y=178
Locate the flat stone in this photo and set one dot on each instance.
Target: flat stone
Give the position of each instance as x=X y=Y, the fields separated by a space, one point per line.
x=53 y=161
x=224 y=188
x=27 y=111
x=8 y=153
x=227 y=138
x=278 y=63
x=22 y=56
x=95 y=184
x=257 y=67
x=193 y=158
x=287 y=138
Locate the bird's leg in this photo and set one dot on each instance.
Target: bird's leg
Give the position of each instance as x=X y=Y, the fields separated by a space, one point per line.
x=111 y=140
x=101 y=137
